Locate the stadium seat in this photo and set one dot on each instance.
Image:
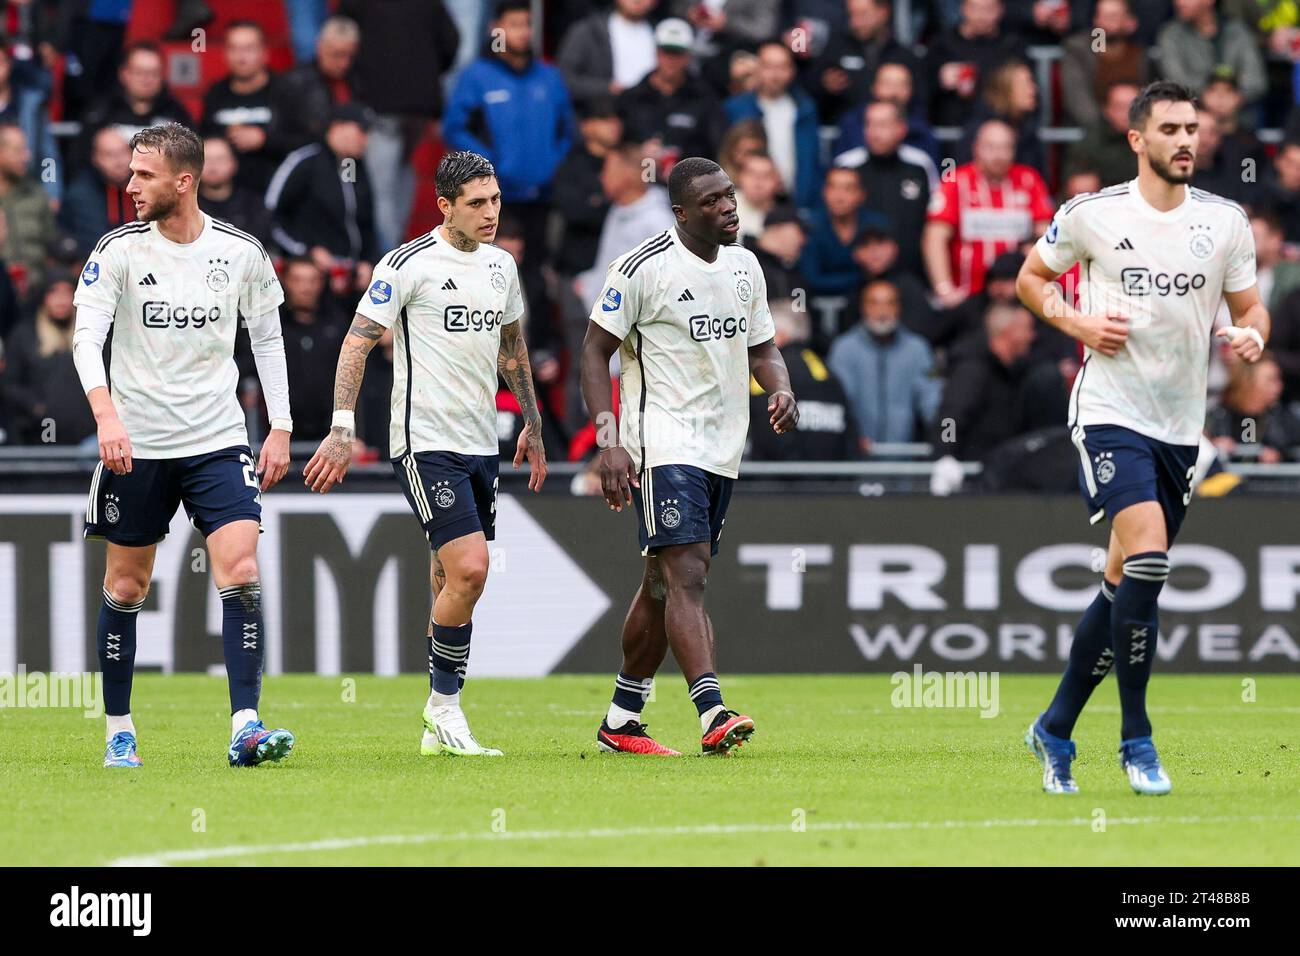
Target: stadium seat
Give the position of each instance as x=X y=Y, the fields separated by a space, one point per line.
x=151 y=19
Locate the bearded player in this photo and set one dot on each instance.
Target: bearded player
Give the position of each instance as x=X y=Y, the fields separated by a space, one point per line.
x=454 y=304
x=172 y=288
x=1157 y=256
x=687 y=312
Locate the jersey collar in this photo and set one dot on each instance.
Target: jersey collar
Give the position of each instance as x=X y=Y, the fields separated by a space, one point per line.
x=715 y=266
x=1154 y=214
x=453 y=251
x=185 y=248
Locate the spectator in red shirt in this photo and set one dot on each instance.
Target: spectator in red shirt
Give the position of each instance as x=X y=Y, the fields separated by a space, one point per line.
x=981 y=210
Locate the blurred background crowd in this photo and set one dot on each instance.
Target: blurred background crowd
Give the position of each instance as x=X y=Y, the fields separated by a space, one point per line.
x=893 y=163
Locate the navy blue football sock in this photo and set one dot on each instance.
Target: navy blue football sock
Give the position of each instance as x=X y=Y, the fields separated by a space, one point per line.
x=242 y=638
x=631 y=693
x=706 y=692
x=115 y=639
x=1090 y=660
x=1134 y=625
x=448 y=656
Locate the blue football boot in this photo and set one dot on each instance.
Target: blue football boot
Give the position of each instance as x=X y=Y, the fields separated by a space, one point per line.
x=1141 y=763
x=1055 y=754
x=255 y=744
x=121 y=752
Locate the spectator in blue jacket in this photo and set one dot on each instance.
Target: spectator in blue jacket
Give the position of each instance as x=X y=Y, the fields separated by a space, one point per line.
x=827 y=262
x=515 y=110
x=887 y=371
x=789 y=117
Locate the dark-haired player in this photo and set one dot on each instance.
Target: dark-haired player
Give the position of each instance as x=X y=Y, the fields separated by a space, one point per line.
x=172 y=287
x=687 y=312
x=453 y=302
x=1157 y=257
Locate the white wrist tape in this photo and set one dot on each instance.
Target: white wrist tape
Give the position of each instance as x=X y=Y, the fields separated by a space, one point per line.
x=345 y=418
x=1236 y=332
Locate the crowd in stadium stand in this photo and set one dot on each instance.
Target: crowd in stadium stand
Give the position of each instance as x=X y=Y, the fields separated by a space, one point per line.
x=893 y=162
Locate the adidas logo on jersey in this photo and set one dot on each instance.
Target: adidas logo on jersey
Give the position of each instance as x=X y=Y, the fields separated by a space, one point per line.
x=449 y=285
x=686 y=297
x=148 y=280
x=1124 y=244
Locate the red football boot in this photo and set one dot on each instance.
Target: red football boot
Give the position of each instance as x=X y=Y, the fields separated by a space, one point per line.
x=631 y=738
x=729 y=729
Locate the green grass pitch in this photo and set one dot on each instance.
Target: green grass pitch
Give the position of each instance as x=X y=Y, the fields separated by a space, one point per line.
x=834 y=775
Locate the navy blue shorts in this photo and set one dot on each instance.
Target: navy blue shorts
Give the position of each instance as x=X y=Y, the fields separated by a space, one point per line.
x=1119 y=467
x=680 y=504
x=452 y=494
x=136 y=509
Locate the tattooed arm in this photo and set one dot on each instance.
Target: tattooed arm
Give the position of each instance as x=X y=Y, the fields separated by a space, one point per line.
x=330 y=463
x=512 y=363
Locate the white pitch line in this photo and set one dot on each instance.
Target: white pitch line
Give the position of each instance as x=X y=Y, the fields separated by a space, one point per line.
x=168 y=857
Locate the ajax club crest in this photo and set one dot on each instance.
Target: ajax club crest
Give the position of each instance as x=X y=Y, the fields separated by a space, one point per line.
x=669 y=516
x=1105 y=467
x=498 y=279
x=218 y=279
x=443 y=496
x=1201 y=245
x=743 y=289
x=112 y=514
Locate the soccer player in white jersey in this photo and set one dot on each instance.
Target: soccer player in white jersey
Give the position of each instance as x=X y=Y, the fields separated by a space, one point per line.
x=454 y=304
x=687 y=312
x=173 y=287
x=1157 y=256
